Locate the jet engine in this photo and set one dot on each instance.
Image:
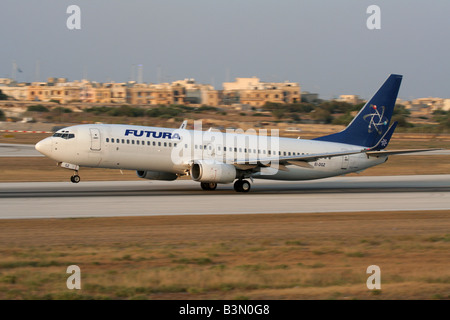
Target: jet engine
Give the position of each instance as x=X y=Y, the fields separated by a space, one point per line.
x=207 y=171
x=157 y=175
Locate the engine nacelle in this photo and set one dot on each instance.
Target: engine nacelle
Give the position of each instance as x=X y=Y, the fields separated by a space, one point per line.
x=205 y=171
x=157 y=175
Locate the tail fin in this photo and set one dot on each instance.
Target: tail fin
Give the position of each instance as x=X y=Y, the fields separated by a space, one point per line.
x=384 y=141
x=372 y=121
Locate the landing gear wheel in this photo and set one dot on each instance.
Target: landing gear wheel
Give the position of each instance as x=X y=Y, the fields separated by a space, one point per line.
x=75 y=179
x=242 y=186
x=208 y=186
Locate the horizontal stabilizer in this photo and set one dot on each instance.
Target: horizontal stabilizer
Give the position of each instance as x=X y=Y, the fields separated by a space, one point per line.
x=392 y=152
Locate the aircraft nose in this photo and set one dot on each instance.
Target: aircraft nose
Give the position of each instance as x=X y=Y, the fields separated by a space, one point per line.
x=44 y=146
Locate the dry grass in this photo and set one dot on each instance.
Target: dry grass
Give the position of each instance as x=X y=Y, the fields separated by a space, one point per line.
x=284 y=256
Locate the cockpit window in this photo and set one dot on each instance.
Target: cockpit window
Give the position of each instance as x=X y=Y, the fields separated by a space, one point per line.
x=65 y=135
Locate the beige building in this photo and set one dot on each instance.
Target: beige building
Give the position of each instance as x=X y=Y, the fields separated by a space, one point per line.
x=446 y=106
x=118 y=92
x=350 y=98
x=253 y=92
x=432 y=103
x=18 y=92
x=159 y=94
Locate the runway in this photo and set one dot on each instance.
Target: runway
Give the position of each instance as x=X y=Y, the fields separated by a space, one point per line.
x=149 y=198
x=18 y=150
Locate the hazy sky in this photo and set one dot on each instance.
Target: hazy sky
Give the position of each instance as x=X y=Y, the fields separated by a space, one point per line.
x=323 y=45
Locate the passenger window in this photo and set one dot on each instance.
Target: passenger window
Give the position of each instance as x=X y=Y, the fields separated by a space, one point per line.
x=128 y=141
x=159 y=144
x=107 y=139
x=165 y=144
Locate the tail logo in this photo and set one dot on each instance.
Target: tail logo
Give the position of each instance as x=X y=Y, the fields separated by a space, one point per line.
x=376 y=119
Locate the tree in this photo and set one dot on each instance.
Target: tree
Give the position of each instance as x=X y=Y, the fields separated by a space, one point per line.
x=322 y=115
x=401 y=114
x=37 y=108
x=3 y=96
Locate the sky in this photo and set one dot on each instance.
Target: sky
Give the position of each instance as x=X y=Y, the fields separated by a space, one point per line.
x=325 y=46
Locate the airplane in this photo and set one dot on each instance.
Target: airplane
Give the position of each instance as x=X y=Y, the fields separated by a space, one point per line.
x=212 y=157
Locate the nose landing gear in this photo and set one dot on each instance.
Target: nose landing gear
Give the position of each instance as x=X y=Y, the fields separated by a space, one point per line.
x=75 y=178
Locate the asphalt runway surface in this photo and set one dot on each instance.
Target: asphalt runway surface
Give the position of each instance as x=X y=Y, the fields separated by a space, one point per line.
x=18 y=150
x=148 y=198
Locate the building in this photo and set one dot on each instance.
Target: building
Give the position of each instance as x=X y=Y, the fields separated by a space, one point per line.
x=350 y=98
x=253 y=92
x=18 y=92
x=151 y=94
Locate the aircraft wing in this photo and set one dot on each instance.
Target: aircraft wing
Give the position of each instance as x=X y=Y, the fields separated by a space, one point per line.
x=302 y=161
x=298 y=160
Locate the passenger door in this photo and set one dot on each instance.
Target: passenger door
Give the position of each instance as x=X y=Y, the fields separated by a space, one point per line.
x=96 y=144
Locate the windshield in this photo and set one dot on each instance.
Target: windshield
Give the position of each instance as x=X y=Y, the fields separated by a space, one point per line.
x=64 y=134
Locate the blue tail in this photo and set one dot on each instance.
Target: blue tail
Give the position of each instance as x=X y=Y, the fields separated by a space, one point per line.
x=372 y=121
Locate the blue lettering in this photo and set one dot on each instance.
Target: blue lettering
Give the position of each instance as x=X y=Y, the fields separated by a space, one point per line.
x=157 y=135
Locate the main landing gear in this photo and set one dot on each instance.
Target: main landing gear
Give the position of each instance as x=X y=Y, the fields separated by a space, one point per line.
x=239 y=186
x=208 y=186
x=242 y=186
x=75 y=178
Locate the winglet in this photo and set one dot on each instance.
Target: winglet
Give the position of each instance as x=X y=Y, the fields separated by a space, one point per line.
x=183 y=125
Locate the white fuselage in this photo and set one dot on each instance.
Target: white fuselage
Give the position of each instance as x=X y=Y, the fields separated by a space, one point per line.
x=172 y=150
